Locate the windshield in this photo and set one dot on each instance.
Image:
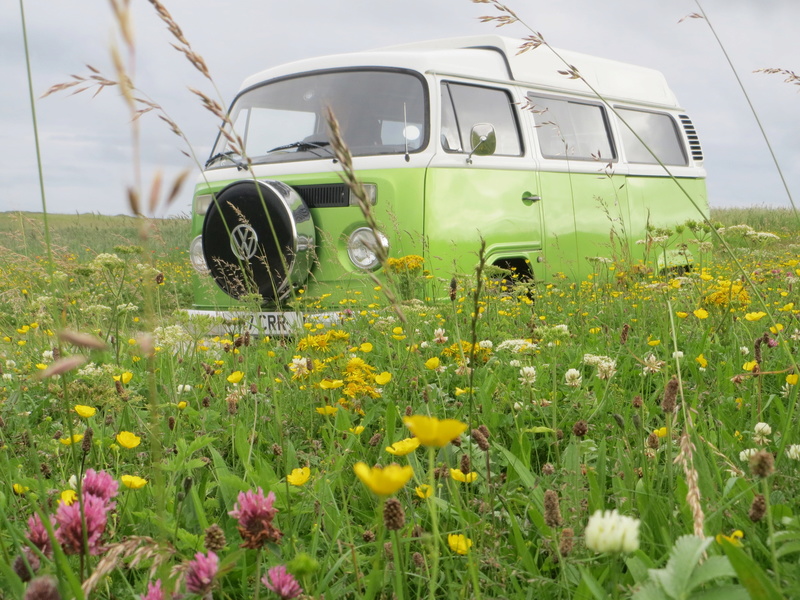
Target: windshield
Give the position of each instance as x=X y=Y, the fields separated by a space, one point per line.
x=380 y=112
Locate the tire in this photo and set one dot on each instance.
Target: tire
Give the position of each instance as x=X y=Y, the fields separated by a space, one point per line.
x=258 y=237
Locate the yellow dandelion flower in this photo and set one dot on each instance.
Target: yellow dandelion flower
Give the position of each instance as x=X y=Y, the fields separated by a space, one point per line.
x=67 y=441
x=792 y=378
x=460 y=544
x=424 y=490
x=365 y=347
x=755 y=316
x=700 y=313
x=124 y=378
x=128 y=440
x=383 y=481
x=85 y=411
x=681 y=314
x=298 y=476
x=327 y=410
x=403 y=447
x=458 y=475
x=432 y=363
x=133 y=482
x=433 y=432
x=235 y=377
x=750 y=365
x=182 y=404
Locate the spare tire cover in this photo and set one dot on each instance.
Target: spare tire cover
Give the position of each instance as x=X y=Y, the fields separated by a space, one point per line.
x=258 y=237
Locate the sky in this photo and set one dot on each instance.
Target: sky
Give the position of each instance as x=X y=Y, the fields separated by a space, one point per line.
x=87 y=146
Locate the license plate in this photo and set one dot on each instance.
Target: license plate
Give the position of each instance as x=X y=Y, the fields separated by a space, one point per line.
x=266 y=323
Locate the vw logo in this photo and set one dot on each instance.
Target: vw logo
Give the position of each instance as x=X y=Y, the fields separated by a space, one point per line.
x=244 y=242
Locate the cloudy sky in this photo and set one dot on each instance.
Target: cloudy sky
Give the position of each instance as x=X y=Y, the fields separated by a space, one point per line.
x=86 y=142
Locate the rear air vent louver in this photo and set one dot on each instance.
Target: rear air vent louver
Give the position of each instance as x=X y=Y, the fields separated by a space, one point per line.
x=324 y=196
x=694 y=141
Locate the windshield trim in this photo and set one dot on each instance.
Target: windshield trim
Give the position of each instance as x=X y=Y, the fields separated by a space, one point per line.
x=303 y=156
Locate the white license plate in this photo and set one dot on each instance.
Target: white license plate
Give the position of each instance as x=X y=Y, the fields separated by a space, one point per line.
x=266 y=323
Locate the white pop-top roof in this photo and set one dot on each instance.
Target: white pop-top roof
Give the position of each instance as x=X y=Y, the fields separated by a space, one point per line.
x=494 y=57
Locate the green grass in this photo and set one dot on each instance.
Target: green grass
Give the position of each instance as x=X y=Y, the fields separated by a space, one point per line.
x=250 y=418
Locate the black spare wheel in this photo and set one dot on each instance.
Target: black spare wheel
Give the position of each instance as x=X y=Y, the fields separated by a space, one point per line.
x=258 y=237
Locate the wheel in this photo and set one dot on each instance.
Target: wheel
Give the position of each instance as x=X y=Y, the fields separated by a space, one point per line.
x=258 y=237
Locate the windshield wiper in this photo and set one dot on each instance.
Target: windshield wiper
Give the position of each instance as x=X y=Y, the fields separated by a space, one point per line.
x=303 y=146
x=228 y=154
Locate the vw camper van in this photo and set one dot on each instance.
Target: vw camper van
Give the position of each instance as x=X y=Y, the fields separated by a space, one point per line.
x=454 y=141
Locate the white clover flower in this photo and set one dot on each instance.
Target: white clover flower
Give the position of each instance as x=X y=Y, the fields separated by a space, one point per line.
x=573 y=378
x=744 y=350
x=10 y=364
x=184 y=388
x=677 y=355
x=47 y=355
x=745 y=455
x=793 y=452
x=299 y=366
x=424 y=344
x=439 y=336
x=606 y=369
x=652 y=364
x=516 y=346
x=518 y=406
x=486 y=344
x=8 y=376
x=527 y=375
x=609 y=531
x=761 y=431
x=595 y=359
x=515 y=363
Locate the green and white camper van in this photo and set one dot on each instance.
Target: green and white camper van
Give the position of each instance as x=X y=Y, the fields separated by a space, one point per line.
x=454 y=140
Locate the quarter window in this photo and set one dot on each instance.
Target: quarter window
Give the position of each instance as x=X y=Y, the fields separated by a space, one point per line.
x=658 y=132
x=464 y=106
x=571 y=130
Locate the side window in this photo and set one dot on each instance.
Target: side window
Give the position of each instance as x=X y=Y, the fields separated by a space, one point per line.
x=658 y=132
x=571 y=130
x=464 y=106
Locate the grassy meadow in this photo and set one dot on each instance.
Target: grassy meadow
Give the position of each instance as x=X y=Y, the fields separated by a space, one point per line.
x=142 y=457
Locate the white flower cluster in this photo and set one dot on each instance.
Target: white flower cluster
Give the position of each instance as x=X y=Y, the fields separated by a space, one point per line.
x=651 y=364
x=606 y=366
x=516 y=346
x=107 y=261
x=793 y=452
x=171 y=336
x=760 y=433
x=127 y=307
x=609 y=531
x=745 y=455
x=486 y=344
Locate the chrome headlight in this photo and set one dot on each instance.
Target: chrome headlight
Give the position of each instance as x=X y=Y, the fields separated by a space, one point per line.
x=361 y=247
x=201 y=203
x=196 y=256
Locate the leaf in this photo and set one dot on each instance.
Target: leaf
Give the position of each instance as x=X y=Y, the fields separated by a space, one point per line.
x=750 y=575
x=683 y=559
x=594 y=586
x=524 y=474
x=649 y=591
x=713 y=568
x=538 y=430
x=725 y=592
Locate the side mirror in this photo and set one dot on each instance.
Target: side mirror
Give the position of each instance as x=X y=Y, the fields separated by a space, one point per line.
x=482 y=140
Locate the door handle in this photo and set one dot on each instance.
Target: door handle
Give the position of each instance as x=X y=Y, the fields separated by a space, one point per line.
x=530 y=198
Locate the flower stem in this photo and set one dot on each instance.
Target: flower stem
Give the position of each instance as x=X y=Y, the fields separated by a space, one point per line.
x=434 y=523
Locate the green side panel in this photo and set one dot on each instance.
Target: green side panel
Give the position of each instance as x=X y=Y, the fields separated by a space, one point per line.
x=586 y=216
x=465 y=204
x=398 y=212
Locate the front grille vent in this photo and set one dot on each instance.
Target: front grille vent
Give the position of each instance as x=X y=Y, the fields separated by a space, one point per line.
x=691 y=134
x=324 y=195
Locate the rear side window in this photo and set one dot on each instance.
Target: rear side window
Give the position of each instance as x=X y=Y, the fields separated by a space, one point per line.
x=567 y=129
x=464 y=106
x=659 y=133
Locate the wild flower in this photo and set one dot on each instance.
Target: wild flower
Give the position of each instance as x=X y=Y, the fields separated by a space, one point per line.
x=434 y=432
x=154 y=591
x=744 y=350
x=255 y=514
x=606 y=369
x=460 y=544
x=745 y=455
x=201 y=572
x=85 y=411
x=760 y=433
x=652 y=364
x=128 y=440
x=100 y=484
x=133 y=482
x=734 y=538
x=425 y=491
x=527 y=375
x=299 y=476
x=235 y=377
x=184 y=388
x=283 y=583
x=458 y=475
x=439 y=336
x=403 y=447
x=793 y=452
x=124 y=378
x=70 y=531
x=432 y=364
x=68 y=497
x=383 y=481
x=572 y=378
x=74 y=439
x=38 y=536
x=608 y=531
